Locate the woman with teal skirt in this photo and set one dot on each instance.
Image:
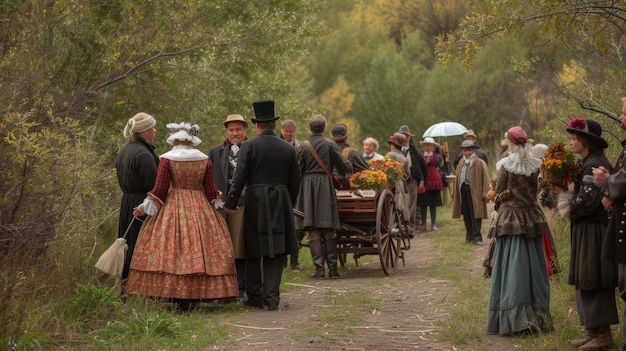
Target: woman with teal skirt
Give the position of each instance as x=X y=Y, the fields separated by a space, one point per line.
x=519 y=299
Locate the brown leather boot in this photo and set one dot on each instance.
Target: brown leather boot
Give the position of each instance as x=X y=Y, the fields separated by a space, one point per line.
x=602 y=339
x=580 y=342
x=317 y=254
x=330 y=249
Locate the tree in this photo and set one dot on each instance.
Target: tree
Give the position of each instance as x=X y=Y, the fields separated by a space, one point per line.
x=72 y=73
x=592 y=32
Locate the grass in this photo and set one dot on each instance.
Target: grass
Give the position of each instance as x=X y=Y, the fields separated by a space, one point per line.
x=468 y=314
x=89 y=315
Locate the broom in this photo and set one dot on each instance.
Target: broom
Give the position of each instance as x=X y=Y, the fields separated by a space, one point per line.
x=112 y=260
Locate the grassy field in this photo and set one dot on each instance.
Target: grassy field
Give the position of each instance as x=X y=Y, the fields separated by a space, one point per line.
x=468 y=317
x=92 y=316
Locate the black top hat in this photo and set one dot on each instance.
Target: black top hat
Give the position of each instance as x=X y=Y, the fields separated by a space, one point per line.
x=588 y=128
x=264 y=111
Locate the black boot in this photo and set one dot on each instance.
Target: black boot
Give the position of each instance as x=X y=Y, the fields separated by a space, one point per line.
x=317 y=254
x=330 y=250
x=295 y=265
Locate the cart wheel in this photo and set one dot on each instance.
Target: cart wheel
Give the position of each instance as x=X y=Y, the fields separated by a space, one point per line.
x=387 y=232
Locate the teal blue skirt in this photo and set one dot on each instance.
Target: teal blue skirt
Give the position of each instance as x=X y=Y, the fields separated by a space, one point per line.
x=520 y=287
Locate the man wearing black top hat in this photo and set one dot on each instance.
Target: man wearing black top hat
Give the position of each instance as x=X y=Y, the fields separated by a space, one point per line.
x=268 y=167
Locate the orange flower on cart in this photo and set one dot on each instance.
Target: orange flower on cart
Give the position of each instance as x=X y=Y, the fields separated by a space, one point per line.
x=382 y=173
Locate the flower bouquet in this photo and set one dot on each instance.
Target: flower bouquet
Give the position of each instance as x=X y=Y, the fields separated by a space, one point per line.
x=559 y=167
x=382 y=173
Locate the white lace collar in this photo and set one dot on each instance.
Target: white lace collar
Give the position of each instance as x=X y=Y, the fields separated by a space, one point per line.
x=519 y=161
x=184 y=153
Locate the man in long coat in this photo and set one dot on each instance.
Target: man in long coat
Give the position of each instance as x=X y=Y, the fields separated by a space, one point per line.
x=470 y=195
x=268 y=167
x=614 y=201
x=224 y=157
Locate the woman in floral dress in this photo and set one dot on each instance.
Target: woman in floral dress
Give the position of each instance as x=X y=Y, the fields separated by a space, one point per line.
x=184 y=252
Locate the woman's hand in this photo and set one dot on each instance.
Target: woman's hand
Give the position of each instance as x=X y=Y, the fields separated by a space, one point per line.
x=138 y=212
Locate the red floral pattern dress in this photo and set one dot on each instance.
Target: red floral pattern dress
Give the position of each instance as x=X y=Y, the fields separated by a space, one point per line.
x=185 y=250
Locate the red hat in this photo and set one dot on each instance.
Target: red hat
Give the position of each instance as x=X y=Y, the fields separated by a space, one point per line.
x=517 y=135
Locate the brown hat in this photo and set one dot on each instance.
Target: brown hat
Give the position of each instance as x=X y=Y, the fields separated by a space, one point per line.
x=470 y=133
x=235 y=118
x=404 y=129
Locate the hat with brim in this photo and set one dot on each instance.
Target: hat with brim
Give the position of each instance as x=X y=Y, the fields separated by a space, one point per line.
x=392 y=141
x=235 y=118
x=339 y=132
x=264 y=111
x=468 y=144
x=404 y=129
x=429 y=140
x=470 y=133
x=589 y=129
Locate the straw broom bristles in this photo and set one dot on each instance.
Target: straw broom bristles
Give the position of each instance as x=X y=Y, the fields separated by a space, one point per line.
x=112 y=260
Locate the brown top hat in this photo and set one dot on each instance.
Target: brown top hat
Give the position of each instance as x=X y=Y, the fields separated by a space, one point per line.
x=264 y=111
x=235 y=118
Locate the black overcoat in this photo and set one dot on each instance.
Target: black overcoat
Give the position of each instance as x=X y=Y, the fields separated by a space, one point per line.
x=614 y=246
x=219 y=156
x=267 y=166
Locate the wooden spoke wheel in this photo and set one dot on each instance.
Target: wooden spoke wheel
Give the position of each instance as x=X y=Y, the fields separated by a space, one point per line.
x=388 y=232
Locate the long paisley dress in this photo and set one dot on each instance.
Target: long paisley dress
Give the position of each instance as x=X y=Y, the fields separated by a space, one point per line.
x=185 y=250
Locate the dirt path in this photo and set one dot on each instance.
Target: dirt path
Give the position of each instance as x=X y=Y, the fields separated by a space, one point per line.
x=413 y=305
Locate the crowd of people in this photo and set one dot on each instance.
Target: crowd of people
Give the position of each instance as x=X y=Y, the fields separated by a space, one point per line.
x=221 y=226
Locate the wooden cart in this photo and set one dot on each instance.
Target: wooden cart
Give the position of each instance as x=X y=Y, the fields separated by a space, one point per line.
x=371 y=225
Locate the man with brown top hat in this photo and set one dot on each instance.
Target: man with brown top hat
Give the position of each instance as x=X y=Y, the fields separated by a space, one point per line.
x=224 y=157
x=419 y=174
x=471 y=202
x=339 y=134
x=268 y=168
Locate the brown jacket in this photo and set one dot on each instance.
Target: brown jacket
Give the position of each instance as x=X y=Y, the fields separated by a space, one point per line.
x=479 y=179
